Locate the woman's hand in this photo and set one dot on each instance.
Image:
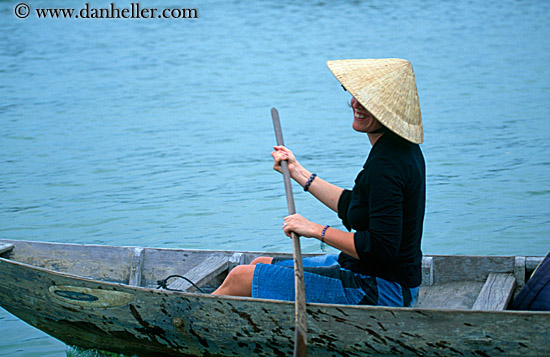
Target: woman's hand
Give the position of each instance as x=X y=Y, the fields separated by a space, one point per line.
x=343 y=241
x=325 y=192
x=281 y=153
x=301 y=226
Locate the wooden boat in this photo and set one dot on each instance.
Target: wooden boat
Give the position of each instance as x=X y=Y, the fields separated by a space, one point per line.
x=106 y=298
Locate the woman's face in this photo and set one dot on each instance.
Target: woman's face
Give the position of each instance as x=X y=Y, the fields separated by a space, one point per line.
x=363 y=120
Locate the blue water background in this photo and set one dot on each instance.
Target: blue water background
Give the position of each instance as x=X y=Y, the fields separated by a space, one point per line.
x=158 y=132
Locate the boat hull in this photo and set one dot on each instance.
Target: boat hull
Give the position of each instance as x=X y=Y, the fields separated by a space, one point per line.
x=127 y=319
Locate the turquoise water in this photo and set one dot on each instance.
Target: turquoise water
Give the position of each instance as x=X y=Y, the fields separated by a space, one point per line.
x=158 y=132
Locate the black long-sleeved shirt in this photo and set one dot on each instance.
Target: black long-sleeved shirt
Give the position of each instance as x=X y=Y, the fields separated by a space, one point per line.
x=386 y=210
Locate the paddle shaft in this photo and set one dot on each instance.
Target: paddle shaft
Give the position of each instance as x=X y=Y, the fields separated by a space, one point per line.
x=300 y=338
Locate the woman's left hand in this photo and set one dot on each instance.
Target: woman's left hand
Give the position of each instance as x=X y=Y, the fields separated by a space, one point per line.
x=301 y=226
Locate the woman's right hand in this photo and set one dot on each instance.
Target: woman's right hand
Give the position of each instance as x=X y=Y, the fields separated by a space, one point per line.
x=325 y=192
x=281 y=153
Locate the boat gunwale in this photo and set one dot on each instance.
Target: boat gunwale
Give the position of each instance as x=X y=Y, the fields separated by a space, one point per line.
x=229 y=252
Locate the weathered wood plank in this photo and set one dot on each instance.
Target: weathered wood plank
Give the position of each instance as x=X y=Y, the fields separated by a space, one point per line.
x=136 y=267
x=456 y=268
x=106 y=263
x=427 y=271
x=496 y=293
x=201 y=273
x=4 y=248
x=236 y=259
x=531 y=263
x=519 y=271
x=454 y=295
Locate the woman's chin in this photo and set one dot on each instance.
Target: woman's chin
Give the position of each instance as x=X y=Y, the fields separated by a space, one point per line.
x=358 y=125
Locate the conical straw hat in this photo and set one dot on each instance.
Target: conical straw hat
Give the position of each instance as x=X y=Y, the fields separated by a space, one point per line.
x=387 y=89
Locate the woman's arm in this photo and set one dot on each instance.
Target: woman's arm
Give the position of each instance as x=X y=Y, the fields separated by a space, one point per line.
x=343 y=241
x=324 y=191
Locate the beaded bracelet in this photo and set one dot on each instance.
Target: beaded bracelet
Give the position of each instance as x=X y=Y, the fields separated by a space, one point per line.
x=323 y=245
x=308 y=183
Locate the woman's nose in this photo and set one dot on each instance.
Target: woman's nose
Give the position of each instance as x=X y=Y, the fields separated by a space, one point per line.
x=355 y=103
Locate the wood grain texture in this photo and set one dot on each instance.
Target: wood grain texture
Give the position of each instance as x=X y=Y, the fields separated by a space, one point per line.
x=300 y=346
x=496 y=292
x=4 y=248
x=520 y=271
x=427 y=271
x=136 y=266
x=150 y=322
x=202 y=273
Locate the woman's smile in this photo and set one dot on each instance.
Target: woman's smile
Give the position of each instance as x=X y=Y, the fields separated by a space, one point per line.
x=359 y=116
x=363 y=121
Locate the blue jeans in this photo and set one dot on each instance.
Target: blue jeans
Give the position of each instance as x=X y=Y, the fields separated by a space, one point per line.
x=325 y=282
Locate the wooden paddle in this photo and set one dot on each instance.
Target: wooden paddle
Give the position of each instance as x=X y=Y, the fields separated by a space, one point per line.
x=300 y=337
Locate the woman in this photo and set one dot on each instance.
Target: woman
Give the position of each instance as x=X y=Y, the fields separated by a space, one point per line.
x=380 y=262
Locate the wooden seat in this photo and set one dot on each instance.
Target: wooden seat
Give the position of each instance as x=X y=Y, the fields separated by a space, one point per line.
x=201 y=274
x=4 y=248
x=496 y=293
